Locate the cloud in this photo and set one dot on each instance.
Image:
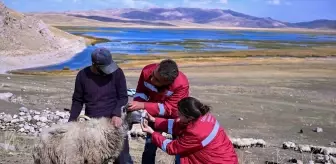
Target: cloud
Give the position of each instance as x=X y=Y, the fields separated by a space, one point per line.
x=138 y=3
x=224 y=1
x=197 y=3
x=274 y=2
x=279 y=2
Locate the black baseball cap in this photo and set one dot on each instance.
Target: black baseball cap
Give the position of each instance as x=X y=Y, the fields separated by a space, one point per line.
x=103 y=59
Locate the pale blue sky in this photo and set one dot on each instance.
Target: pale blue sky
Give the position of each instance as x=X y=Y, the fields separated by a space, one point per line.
x=284 y=10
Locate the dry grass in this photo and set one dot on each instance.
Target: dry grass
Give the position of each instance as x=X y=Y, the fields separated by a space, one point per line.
x=202 y=59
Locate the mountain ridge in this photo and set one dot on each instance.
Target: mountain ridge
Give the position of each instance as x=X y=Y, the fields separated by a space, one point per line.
x=195 y=16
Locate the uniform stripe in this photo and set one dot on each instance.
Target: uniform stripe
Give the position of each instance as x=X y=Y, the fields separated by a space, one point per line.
x=164 y=144
x=150 y=86
x=170 y=126
x=204 y=118
x=162 y=109
x=212 y=135
x=141 y=95
x=169 y=93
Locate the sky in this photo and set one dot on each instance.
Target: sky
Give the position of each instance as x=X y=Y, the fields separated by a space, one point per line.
x=283 y=10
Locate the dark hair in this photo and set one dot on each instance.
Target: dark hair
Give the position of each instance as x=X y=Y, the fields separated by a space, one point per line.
x=192 y=108
x=168 y=70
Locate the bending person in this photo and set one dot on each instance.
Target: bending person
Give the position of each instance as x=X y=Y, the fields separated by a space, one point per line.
x=200 y=138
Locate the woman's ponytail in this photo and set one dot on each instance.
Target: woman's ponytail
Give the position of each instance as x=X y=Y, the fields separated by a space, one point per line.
x=192 y=108
x=204 y=109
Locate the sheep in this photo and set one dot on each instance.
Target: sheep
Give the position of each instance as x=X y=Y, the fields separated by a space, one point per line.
x=87 y=141
x=310 y=148
x=247 y=142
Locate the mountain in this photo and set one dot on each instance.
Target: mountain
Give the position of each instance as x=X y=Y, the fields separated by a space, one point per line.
x=179 y=17
x=172 y=16
x=317 y=24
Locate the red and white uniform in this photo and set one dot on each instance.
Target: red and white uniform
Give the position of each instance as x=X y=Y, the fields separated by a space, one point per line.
x=161 y=103
x=201 y=142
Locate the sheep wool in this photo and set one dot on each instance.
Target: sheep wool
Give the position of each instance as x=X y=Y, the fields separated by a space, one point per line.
x=94 y=141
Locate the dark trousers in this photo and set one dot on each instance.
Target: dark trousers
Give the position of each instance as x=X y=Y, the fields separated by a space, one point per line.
x=125 y=156
x=149 y=154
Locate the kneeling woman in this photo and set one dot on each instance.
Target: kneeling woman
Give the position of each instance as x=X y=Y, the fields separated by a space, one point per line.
x=200 y=138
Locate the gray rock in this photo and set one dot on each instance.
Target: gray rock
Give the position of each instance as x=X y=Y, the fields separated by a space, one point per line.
x=318 y=130
x=36 y=117
x=22 y=119
x=62 y=121
x=21 y=130
x=37 y=113
x=32 y=129
x=15 y=116
x=289 y=145
x=332 y=144
x=6 y=96
x=7 y=118
x=21 y=125
x=299 y=162
x=15 y=121
x=241 y=119
x=38 y=123
x=26 y=127
x=7 y=147
x=24 y=109
x=43 y=124
x=29 y=118
x=22 y=113
x=43 y=119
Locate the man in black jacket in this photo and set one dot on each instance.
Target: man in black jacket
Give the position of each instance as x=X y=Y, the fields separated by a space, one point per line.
x=102 y=88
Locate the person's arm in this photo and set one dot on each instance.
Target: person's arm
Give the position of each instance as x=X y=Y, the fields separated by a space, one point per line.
x=121 y=87
x=187 y=143
x=140 y=94
x=169 y=107
x=170 y=126
x=77 y=99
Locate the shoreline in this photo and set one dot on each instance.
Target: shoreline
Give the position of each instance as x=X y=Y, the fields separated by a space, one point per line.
x=289 y=30
x=10 y=63
x=216 y=62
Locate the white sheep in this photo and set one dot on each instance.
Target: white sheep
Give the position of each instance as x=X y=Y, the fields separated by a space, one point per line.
x=87 y=141
x=247 y=142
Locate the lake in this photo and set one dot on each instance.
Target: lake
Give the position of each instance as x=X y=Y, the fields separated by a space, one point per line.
x=133 y=41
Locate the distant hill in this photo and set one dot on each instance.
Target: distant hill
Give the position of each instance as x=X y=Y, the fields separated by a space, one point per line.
x=317 y=24
x=183 y=17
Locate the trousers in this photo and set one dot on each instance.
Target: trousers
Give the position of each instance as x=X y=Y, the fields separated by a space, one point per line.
x=125 y=156
x=149 y=153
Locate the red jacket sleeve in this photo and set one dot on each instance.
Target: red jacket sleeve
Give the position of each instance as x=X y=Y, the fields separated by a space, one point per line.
x=170 y=126
x=185 y=144
x=168 y=108
x=141 y=94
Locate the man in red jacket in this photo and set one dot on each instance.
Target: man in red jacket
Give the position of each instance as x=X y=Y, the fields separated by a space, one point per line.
x=160 y=87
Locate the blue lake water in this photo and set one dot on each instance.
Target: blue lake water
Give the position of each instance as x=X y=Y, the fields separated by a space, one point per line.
x=132 y=41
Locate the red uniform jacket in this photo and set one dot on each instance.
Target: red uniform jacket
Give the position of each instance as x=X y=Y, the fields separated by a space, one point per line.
x=201 y=142
x=161 y=103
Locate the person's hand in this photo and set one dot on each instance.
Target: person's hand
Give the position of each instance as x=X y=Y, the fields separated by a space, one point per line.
x=136 y=105
x=150 y=117
x=145 y=127
x=116 y=121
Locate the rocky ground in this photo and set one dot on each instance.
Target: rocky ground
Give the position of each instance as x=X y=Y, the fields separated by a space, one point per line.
x=277 y=103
